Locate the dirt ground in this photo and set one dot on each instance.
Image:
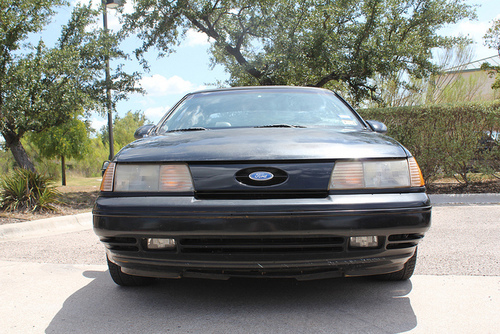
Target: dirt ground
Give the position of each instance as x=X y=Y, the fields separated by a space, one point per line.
x=79 y=199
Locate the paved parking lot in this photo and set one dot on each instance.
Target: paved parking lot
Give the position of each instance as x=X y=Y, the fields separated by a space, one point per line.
x=58 y=283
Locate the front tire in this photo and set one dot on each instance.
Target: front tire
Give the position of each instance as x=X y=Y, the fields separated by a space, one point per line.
x=122 y=279
x=403 y=274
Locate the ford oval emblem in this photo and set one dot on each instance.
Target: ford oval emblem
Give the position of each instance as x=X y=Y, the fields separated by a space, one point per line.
x=261 y=176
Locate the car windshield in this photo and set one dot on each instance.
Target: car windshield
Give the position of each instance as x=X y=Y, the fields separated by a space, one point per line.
x=260 y=108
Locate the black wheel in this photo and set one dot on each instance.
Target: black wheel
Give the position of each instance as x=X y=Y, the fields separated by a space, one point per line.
x=123 y=279
x=403 y=274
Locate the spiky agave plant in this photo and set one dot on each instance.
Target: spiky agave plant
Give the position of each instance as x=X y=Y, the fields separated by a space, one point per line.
x=24 y=190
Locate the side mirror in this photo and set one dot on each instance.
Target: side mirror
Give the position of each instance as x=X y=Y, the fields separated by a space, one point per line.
x=105 y=165
x=143 y=131
x=377 y=126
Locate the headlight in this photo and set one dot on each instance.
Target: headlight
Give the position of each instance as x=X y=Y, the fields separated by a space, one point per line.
x=147 y=178
x=376 y=174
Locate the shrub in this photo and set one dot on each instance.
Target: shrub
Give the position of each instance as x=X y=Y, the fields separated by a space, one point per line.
x=444 y=138
x=24 y=190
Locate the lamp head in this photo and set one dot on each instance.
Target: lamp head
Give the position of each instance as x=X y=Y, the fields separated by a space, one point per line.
x=113 y=3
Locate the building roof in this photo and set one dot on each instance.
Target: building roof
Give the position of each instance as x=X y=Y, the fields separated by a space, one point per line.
x=474 y=65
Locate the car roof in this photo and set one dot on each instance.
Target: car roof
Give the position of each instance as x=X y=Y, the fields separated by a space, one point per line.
x=298 y=88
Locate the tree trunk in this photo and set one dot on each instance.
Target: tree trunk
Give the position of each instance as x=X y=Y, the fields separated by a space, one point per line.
x=63 y=170
x=14 y=144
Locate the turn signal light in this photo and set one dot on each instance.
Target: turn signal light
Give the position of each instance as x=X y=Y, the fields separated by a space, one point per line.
x=417 y=180
x=108 y=178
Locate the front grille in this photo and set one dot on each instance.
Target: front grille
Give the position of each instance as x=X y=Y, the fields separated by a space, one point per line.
x=121 y=243
x=260 y=195
x=271 y=245
x=276 y=273
x=398 y=241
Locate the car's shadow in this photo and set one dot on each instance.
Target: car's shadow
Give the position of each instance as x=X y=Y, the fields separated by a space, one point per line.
x=355 y=305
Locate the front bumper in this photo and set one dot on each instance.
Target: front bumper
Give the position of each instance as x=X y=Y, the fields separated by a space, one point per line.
x=301 y=238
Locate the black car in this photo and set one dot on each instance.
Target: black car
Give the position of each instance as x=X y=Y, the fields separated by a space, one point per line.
x=262 y=182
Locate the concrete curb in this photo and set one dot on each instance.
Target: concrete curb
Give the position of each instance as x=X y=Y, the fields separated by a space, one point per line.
x=48 y=226
x=464 y=199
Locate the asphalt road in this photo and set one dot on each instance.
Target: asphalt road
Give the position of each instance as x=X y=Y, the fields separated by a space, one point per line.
x=60 y=284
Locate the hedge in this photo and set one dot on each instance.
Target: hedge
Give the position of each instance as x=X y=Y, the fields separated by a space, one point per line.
x=450 y=139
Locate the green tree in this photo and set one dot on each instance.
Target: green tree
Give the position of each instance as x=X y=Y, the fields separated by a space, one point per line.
x=306 y=42
x=42 y=87
x=17 y=20
x=492 y=40
x=92 y=162
x=124 y=128
x=68 y=140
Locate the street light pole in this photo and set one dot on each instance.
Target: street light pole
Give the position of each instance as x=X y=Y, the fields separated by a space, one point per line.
x=110 y=4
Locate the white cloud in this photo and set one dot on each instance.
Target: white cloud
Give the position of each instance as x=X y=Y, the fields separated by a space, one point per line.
x=98 y=123
x=128 y=7
x=195 y=38
x=158 y=85
x=473 y=29
x=154 y=114
x=487 y=11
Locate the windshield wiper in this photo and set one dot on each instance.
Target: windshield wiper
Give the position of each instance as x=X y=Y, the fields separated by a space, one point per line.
x=280 y=126
x=188 y=129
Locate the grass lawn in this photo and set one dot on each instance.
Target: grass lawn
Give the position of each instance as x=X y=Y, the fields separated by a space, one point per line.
x=79 y=184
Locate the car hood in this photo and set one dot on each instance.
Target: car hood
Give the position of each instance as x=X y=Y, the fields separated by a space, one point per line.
x=244 y=144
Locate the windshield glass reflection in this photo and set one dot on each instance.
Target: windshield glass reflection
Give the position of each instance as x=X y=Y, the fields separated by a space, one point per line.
x=261 y=108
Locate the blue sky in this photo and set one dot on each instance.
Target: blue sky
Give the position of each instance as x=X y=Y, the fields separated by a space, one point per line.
x=188 y=69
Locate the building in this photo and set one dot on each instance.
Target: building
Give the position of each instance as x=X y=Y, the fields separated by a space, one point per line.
x=467 y=82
